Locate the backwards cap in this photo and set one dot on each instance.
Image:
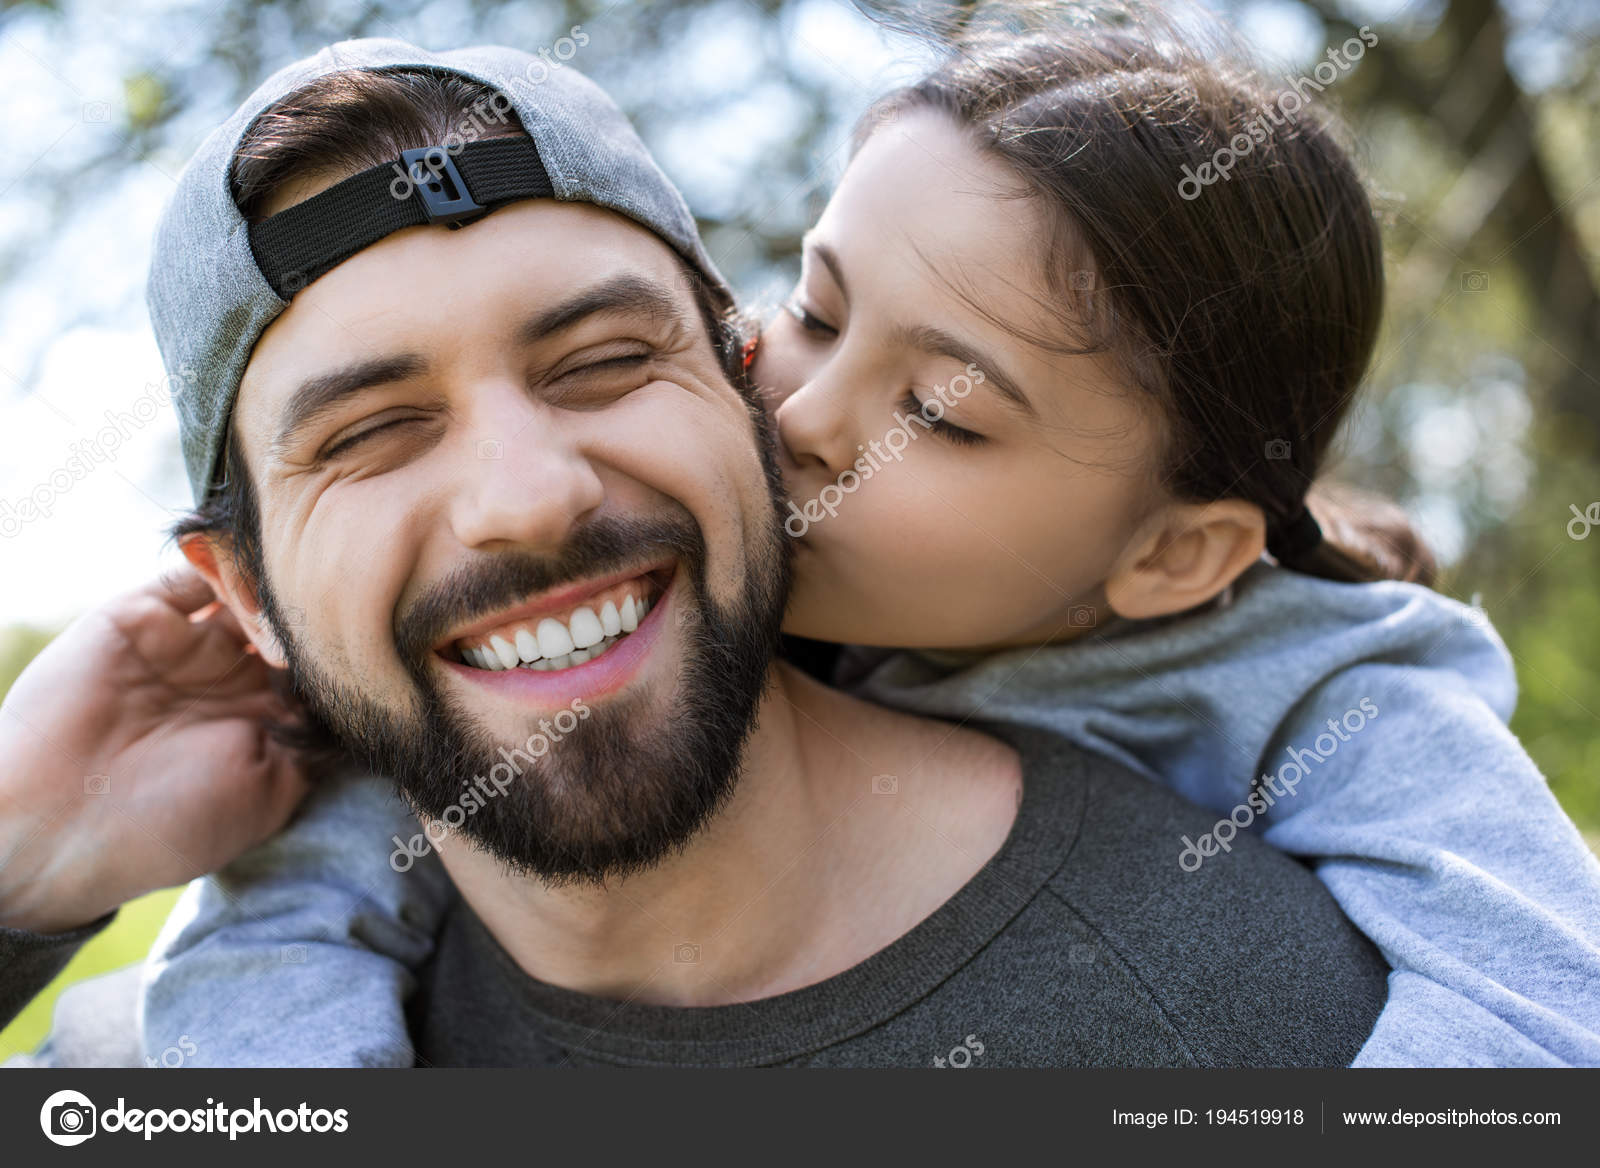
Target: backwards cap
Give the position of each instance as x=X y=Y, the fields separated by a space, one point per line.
x=216 y=282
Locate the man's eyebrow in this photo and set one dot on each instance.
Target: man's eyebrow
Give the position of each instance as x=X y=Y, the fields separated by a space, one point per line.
x=318 y=395
x=621 y=294
x=946 y=344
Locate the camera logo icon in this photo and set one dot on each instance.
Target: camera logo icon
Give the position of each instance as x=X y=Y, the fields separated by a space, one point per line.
x=67 y=1118
x=686 y=954
x=885 y=784
x=1278 y=449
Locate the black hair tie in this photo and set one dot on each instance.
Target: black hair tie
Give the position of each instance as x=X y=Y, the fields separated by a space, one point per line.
x=1295 y=537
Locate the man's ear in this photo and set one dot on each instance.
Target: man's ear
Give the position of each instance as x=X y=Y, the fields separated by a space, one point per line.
x=213 y=558
x=1185 y=555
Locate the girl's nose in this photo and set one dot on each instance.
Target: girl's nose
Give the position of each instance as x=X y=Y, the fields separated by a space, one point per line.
x=816 y=429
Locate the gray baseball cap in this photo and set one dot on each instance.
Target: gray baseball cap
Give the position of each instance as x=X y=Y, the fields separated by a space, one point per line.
x=210 y=297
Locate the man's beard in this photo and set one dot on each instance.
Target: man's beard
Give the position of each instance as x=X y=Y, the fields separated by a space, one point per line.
x=623 y=788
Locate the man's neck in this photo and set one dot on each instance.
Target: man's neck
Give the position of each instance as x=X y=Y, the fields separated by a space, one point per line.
x=849 y=825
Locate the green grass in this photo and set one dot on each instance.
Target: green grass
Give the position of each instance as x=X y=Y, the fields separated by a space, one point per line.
x=125 y=941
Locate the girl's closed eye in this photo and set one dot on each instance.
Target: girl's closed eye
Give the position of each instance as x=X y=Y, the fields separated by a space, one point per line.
x=941 y=426
x=810 y=321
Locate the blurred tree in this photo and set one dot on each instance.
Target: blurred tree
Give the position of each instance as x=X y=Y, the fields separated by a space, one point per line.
x=1494 y=286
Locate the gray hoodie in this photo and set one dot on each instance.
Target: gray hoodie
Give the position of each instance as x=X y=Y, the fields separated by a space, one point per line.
x=1363 y=728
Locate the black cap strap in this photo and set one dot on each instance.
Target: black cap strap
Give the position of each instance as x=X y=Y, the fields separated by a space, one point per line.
x=1292 y=539
x=430 y=185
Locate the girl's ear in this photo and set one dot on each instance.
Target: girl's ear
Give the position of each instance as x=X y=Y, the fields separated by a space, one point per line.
x=1185 y=555
x=214 y=560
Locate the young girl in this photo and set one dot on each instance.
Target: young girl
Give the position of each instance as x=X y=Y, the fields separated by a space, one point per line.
x=1069 y=348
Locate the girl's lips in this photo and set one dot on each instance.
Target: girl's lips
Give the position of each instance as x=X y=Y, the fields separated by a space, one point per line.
x=553 y=690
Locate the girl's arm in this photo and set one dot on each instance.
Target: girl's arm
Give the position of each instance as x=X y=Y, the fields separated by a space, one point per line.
x=303 y=951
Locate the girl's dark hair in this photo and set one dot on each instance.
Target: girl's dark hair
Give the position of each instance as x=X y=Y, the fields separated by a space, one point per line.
x=341 y=124
x=1247 y=308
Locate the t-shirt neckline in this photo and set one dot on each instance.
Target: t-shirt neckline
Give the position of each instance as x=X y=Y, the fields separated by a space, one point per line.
x=791 y=1024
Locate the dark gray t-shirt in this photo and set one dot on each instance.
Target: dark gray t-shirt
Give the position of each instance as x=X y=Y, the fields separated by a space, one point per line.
x=1080 y=943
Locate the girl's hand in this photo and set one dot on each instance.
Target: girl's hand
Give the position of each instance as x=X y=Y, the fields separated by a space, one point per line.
x=134 y=755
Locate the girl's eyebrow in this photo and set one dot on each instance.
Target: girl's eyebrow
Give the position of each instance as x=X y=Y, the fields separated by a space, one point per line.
x=940 y=343
x=830 y=260
x=937 y=342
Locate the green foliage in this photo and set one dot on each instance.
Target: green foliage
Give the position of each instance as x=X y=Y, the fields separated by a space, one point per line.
x=18 y=646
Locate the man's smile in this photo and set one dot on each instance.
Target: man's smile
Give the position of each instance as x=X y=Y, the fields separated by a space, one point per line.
x=565 y=633
x=563 y=627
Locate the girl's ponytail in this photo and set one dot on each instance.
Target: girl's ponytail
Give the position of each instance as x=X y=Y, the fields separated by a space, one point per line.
x=1364 y=538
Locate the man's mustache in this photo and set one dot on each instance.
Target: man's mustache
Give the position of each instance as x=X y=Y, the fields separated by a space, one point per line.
x=601 y=546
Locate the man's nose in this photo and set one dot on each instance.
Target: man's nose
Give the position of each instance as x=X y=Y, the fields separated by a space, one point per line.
x=526 y=480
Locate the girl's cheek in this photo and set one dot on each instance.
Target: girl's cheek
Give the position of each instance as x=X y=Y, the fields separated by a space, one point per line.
x=770 y=399
x=775 y=367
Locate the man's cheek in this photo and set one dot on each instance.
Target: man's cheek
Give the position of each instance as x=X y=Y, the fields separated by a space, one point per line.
x=731 y=501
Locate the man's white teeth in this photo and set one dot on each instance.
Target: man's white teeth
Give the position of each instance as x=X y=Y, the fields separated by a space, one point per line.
x=554 y=639
x=554 y=645
x=504 y=650
x=586 y=629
